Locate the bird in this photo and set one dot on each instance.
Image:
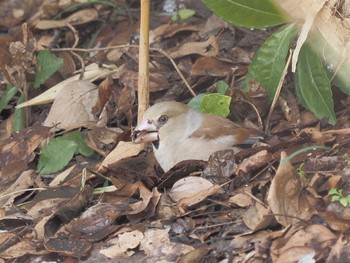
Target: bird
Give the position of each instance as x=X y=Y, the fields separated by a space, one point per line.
x=179 y=132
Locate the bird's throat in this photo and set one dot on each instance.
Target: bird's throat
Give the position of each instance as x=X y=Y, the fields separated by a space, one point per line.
x=156 y=144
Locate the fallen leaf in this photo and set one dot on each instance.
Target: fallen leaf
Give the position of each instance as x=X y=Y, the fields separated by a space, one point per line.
x=16 y=151
x=285 y=197
x=77 y=18
x=158 y=248
x=209 y=66
x=122 y=151
x=73 y=106
x=122 y=245
x=192 y=190
x=313 y=238
x=207 y=48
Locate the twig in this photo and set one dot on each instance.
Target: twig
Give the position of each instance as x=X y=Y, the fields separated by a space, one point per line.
x=143 y=79
x=76 y=41
x=177 y=69
x=256 y=111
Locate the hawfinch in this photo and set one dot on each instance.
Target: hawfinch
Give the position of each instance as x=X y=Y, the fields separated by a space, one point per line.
x=179 y=133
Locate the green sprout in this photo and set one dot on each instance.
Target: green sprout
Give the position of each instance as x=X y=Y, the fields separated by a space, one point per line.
x=338 y=196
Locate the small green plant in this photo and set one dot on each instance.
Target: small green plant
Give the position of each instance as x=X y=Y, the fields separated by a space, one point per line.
x=338 y=196
x=47 y=65
x=213 y=103
x=312 y=78
x=183 y=14
x=59 y=151
x=300 y=170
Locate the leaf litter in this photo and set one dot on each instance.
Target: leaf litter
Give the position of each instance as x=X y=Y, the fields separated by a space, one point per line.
x=256 y=205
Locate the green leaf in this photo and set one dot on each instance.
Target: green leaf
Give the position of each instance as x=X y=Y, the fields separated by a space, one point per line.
x=9 y=93
x=313 y=86
x=333 y=191
x=247 y=13
x=56 y=155
x=335 y=198
x=269 y=62
x=19 y=120
x=183 y=14
x=343 y=201
x=80 y=139
x=221 y=87
x=47 y=64
x=196 y=102
x=337 y=67
x=216 y=104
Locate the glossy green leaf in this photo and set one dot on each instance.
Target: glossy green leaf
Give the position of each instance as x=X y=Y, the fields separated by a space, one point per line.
x=216 y=104
x=313 y=86
x=269 y=62
x=247 y=13
x=47 y=64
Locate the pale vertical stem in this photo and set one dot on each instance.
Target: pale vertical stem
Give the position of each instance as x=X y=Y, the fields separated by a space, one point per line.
x=143 y=78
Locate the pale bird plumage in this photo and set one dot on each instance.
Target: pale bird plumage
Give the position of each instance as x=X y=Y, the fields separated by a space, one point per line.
x=179 y=133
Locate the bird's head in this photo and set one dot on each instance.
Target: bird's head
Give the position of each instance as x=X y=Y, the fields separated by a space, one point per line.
x=157 y=120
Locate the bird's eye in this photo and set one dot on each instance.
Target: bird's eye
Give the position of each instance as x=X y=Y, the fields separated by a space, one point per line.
x=163 y=119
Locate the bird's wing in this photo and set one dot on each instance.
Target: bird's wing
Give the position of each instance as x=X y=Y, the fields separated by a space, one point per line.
x=214 y=126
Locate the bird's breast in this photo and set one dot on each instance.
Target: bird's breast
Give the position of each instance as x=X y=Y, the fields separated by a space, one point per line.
x=170 y=153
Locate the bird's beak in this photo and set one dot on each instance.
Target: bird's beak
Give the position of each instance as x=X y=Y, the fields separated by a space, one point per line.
x=146 y=131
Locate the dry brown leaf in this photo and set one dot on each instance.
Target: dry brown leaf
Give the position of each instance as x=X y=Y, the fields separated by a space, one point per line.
x=95 y=219
x=122 y=151
x=194 y=256
x=101 y=139
x=253 y=162
x=287 y=202
x=169 y=30
x=192 y=190
x=149 y=210
x=209 y=66
x=338 y=217
x=158 y=248
x=79 y=17
x=257 y=217
x=73 y=106
x=122 y=245
x=16 y=151
x=91 y=73
x=24 y=181
x=19 y=59
x=140 y=206
x=207 y=48
x=25 y=246
x=313 y=238
x=241 y=199
x=157 y=81
x=340 y=251
x=213 y=26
